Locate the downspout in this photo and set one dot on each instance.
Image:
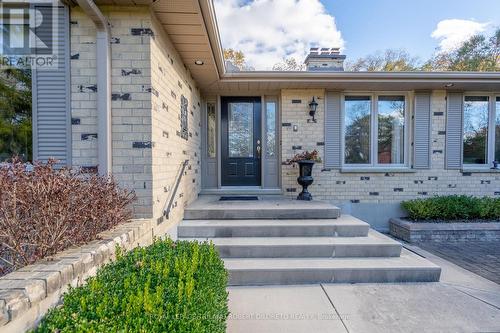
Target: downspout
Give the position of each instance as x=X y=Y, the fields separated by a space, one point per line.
x=103 y=63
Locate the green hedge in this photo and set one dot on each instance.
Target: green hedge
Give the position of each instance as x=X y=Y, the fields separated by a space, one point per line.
x=166 y=287
x=453 y=207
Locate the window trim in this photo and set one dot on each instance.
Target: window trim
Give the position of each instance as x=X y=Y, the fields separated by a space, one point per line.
x=374 y=131
x=490 y=154
x=269 y=100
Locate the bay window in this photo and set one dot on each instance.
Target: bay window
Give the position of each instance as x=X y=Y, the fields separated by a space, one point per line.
x=375 y=130
x=481 y=130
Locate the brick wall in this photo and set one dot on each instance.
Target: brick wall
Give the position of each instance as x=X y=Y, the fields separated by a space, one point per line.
x=359 y=188
x=148 y=80
x=170 y=81
x=83 y=90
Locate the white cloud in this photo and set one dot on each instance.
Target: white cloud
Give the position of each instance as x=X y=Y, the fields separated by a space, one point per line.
x=268 y=31
x=453 y=32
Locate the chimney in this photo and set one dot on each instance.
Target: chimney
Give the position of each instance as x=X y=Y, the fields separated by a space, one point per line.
x=324 y=60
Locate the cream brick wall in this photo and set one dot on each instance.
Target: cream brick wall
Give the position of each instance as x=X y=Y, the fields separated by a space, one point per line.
x=354 y=188
x=170 y=81
x=148 y=79
x=83 y=85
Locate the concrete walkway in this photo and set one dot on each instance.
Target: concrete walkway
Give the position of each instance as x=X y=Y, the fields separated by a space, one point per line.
x=461 y=302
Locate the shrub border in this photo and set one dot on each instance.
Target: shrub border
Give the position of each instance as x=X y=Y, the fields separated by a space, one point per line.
x=452 y=207
x=28 y=293
x=413 y=232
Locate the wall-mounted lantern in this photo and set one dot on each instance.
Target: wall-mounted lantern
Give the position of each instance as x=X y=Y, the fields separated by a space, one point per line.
x=312 y=109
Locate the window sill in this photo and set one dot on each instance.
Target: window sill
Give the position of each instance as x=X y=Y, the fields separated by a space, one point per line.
x=377 y=170
x=480 y=170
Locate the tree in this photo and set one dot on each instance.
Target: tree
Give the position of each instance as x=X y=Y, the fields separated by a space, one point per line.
x=15 y=114
x=235 y=60
x=357 y=140
x=289 y=64
x=386 y=61
x=479 y=53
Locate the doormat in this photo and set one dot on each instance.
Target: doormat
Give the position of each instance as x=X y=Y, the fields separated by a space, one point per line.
x=239 y=198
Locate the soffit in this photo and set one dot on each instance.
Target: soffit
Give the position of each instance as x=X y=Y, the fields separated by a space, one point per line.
x=123 y=2
x=185 y=24
x=183 y=21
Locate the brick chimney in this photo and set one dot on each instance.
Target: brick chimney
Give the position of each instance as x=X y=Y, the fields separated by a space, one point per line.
x=324 y=60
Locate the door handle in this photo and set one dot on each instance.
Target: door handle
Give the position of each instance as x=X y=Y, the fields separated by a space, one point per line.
x=258 y=151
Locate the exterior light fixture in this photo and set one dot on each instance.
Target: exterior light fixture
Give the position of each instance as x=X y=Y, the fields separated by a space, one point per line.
x=449 y=85
x=312 y=109
x=198 y=62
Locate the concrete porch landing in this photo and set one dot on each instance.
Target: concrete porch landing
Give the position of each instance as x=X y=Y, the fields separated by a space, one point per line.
x=267 y=207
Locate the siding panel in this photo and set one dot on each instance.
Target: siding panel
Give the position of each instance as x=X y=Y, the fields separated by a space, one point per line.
x=454 y=129
x=333 y=154
x=422 y=132
x=51 y=98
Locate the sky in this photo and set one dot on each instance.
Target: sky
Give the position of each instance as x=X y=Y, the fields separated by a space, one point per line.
x=269 y=30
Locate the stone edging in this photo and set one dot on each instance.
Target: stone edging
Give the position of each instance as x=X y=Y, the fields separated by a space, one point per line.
x=28 y=293
x=420 y=232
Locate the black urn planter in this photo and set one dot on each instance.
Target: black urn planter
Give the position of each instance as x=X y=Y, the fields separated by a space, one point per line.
x=305 y=179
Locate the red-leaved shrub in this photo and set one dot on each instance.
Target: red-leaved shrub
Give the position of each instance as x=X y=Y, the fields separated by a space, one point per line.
x=45 y=210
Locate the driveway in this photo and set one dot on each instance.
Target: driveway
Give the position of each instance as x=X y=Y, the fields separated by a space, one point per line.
x=482 y=258
x=461 y=302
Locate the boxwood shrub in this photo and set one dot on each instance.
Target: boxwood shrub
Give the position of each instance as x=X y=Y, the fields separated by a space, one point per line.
x=453 y=207
x=166 y=287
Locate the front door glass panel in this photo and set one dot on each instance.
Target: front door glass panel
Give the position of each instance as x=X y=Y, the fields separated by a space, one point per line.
x=240 y=131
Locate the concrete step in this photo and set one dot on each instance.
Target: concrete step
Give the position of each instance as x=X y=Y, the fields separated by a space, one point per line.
x=374 y=245
x=209 y=207
x=409 y=267
x=344 y=226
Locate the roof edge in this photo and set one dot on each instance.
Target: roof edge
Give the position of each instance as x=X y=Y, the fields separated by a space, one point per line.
x=354 y=76
x=208 y=13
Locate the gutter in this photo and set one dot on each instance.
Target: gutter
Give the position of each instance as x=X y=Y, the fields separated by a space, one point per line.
x=103 y=63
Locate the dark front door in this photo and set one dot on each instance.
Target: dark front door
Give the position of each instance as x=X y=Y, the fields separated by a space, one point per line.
x=241 y=142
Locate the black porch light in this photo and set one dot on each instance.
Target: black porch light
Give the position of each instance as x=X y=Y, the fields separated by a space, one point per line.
x=312 y=108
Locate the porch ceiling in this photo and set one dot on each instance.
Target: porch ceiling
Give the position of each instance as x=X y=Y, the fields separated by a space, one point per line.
x=184 y=22
x=192 y=35
x=122 y=2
